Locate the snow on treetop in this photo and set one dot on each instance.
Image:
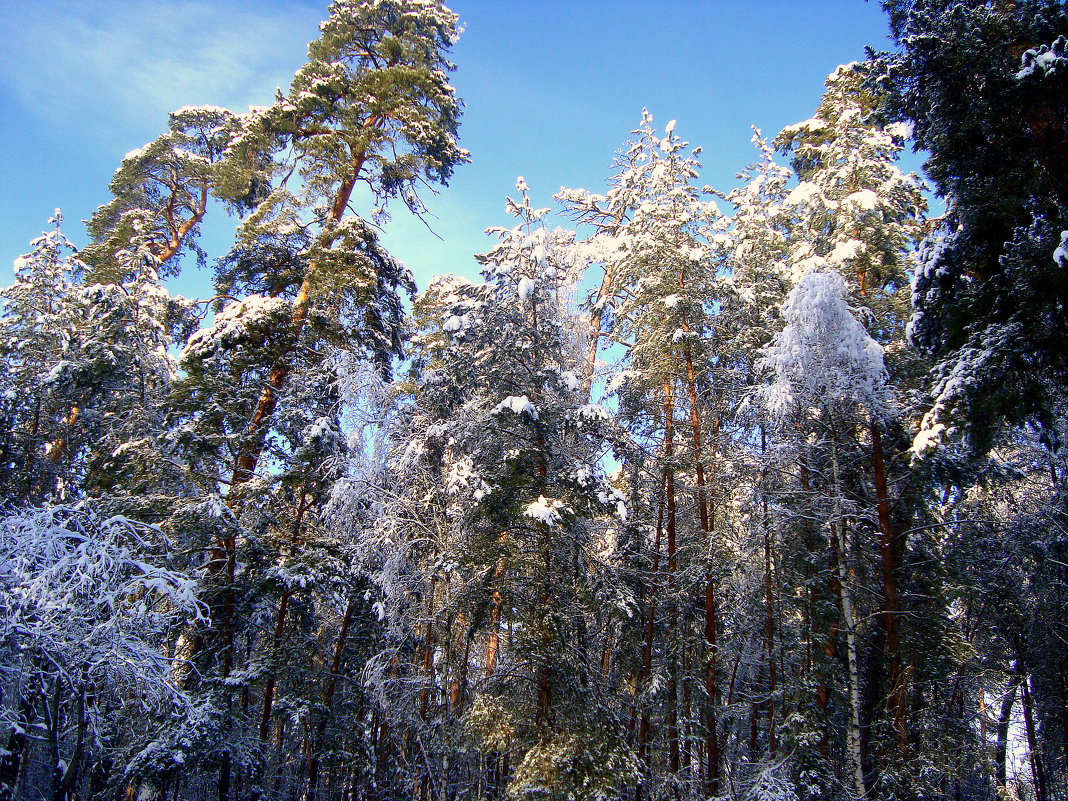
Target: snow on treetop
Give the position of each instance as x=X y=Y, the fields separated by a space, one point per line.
x=809 y=125
x=1045 y=60
x=1060 y=255
x=455 y=322
x=844 y=251
x=201 y=111
x=900 y=129
x=592 y=412
x=526 y=288
x=209 y=109
x=864 y=199
x=841 y=71
x=804 y=193
x=233 y=323
x=449 y=287
x=823 y=355
x=520 y=404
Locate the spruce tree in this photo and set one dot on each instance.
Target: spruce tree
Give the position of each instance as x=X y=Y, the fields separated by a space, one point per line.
x=982 y=86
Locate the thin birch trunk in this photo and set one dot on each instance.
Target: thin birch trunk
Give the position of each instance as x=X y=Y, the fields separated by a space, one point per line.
x=846 y=599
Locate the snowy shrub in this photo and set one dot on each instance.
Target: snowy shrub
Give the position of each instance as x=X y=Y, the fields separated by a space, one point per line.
x=81 y=607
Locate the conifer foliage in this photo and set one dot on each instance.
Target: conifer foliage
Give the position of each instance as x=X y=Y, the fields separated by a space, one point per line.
x=746 y=495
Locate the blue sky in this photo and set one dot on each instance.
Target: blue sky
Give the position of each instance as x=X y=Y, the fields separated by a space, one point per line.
x=552 y=90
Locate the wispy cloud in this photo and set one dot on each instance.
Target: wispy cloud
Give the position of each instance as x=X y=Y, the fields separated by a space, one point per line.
x=110 y=65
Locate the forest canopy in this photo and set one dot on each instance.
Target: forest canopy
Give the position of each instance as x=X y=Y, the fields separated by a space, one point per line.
x=696 y=493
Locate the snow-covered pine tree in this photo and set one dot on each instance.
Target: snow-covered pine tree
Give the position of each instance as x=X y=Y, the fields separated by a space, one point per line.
x=306 y=289
x=655 y=230
x=36 y=326
x=372 y=106
x=758 y=605
x=856 y=213
x=758 y=250
x=528 y=559
x=89 y=366
x=161 y=192
x=982 y=86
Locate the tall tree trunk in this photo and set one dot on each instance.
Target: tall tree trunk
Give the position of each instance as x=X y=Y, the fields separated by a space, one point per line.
x=225 y=770
x=249 y=456
x=595 y=333
x=458 y=689
x=69 y=777
x=315 y=739
x=269 y=685
x=769 y=602
x=428 y=655
x=1038 y=770
x=644 y=755
x=1001 y=750
x=827 y=642
x=222 y=552
x=856 y=757
x=493 y=641
x=545 y=694
x=672 y=718
x=1064 y=699
x=280 y=621
x=12 y=761
x=706 y=515
x=889 y=557
x=31 y=450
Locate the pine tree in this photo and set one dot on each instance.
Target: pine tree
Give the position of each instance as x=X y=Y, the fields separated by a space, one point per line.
x=858 y=214
x=531 y=556
x=989 y=110
x=307 y=291
x=655 y=230
x=161 y=192
x=829 y=375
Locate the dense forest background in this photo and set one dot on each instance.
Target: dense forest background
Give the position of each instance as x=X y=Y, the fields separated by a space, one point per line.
x=751 y=494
